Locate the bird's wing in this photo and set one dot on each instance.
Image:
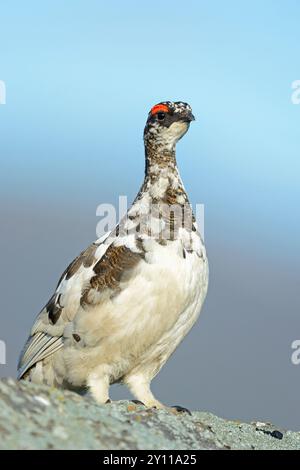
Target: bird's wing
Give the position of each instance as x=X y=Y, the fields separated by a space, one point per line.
x=96 y=272
x=38 y=347
x=47 y=332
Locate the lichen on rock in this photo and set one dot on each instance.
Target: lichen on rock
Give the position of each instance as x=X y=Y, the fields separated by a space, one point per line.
x=38 y=417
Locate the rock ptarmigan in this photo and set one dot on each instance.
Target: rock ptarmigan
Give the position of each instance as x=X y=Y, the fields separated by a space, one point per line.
x=125 y=303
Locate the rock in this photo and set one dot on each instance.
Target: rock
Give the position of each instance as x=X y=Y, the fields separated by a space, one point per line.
x=38 y=417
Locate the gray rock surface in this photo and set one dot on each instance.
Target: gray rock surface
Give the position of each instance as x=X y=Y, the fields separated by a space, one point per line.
x=38 y=417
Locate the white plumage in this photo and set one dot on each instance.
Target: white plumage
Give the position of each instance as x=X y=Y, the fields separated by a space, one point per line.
x=123 y=306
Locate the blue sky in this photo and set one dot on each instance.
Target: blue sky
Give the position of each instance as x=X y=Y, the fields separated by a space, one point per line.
x=81 y=77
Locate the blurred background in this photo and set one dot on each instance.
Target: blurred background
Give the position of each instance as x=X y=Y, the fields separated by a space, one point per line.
x=80 y=79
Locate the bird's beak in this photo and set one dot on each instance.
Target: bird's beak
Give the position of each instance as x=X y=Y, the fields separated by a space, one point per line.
x=189 y=117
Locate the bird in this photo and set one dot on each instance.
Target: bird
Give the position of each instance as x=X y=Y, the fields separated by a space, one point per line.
x=123 y=306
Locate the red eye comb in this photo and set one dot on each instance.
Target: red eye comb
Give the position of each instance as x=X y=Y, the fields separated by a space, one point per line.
x=159 y=108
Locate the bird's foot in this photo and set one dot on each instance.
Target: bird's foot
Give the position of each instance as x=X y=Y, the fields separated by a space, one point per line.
x=138 y=402
x=179 y=409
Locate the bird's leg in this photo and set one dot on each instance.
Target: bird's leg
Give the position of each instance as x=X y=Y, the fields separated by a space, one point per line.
x=98 y=383
x=140 y=388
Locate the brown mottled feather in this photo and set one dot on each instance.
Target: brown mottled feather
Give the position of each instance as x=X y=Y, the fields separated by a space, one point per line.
x=53 y=308
x=86 y=258
x=110 y=269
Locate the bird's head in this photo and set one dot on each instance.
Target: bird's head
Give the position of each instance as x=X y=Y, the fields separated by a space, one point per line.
x=167 y=122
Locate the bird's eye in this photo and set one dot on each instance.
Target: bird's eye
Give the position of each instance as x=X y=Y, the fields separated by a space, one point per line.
x=161 y=116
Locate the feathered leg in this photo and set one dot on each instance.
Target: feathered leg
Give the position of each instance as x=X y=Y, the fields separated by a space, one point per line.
x=139 y=386
x=98 y=383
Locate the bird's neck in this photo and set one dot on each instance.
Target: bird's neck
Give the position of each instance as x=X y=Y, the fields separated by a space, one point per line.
x=158 y=158
x=162 y=197
x=162 y=179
